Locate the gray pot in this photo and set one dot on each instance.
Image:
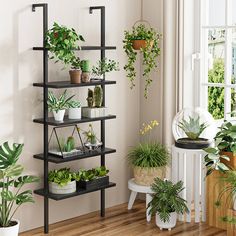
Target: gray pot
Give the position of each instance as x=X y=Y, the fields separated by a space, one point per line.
x=57 y=189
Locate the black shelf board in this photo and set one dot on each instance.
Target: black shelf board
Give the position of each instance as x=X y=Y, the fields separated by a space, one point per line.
x=68 y=122
x=84 y=48
x=68 y=84
x=58 y=197
x=88 y=154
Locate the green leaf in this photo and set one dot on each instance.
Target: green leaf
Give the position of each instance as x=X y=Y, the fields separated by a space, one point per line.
x=13 y=171
x=27 y=179
x=211 y=150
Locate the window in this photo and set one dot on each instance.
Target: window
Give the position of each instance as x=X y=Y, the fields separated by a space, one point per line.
x=218 y=57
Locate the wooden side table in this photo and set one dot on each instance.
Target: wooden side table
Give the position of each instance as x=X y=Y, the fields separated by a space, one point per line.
x=136 y=188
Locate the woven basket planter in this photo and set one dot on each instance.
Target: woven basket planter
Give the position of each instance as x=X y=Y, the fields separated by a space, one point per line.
x=146 y=175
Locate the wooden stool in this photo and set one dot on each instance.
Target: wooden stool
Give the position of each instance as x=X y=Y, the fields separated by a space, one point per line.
x=188 y=165
x=136 y=188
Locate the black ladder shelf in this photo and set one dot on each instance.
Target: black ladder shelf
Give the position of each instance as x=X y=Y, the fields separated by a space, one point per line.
x=48 y=121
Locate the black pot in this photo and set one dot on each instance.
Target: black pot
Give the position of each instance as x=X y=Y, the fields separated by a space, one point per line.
x=96 y=183
x=192 y=144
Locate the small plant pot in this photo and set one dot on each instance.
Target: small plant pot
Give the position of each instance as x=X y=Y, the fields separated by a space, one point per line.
x=85 y=77
x=75 y=76
x=145 y=175
x=96 y=183
x=188 y=143
x=166 y=225
x=59 y=116
x=94 y=112
x=12 y=230
x=140 y=43
x=75 y=113
x=57 y=189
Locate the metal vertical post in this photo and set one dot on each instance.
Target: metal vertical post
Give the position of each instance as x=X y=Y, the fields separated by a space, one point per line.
x=45 y=113
x=103 y=44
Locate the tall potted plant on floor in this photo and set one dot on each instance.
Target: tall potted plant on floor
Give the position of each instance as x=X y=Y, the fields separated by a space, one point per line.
x=166 y=203
x=148 y=159
x=11 y=183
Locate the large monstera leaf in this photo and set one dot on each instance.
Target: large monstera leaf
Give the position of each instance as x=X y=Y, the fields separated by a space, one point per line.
x=9 y=156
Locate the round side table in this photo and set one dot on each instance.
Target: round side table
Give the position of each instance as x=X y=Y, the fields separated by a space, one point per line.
x=188 y=166
x=136 y=188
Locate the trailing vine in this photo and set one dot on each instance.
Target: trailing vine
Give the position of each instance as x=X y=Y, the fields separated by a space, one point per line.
x=150 y=53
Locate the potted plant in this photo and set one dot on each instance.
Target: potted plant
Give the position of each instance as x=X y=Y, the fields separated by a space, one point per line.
x=166 y=203
x=92 y=178
x=92 y=141
x=85 y=66
x=104 y=66
x=61 y=42
x=74 y=110
x=12 y=182
x=193 y=128
x=58 y=105
x=62 y=181
x=145 y=39
x=149 y=159
x=94 y=100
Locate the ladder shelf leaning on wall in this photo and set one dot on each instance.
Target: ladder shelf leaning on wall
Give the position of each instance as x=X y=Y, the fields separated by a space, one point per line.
x=47 y=121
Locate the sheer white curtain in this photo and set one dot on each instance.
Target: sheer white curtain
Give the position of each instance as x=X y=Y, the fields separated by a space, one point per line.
x=172 y=65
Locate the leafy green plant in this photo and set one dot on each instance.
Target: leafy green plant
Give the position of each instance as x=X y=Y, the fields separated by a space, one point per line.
x=90 y=135
x=89 y=175
x=10 y=180
x=61 y=42
x=225 y=141
x=192 y=128
x=74 y=104
x=67 y=146
x=57 y=104
x=105 y=66
x=149 y=155
x=149 y=53
x=166 y=199
x=62 y=176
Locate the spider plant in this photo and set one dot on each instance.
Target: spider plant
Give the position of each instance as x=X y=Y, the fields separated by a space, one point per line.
x=149 y=155
x=193 y=128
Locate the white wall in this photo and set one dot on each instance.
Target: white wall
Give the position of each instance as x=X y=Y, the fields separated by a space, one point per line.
x=20 y=102
x=152 y=106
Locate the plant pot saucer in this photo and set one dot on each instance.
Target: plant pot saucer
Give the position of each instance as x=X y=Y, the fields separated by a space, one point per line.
x=192 y=144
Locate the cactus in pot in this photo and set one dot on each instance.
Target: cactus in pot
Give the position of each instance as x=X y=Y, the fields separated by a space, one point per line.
x=98 y=96
x=90 y=98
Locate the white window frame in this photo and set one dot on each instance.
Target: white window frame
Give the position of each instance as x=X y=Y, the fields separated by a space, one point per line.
x=201 y=43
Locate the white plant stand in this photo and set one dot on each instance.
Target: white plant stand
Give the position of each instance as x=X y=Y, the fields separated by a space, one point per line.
x=136 y=188
x=188 y=166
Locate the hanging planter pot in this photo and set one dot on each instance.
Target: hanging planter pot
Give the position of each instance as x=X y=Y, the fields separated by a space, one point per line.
x=146 y=39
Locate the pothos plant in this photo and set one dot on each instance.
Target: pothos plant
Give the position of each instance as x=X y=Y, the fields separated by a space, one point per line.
x=61 y=42
x=150 y=53
x=11 y=183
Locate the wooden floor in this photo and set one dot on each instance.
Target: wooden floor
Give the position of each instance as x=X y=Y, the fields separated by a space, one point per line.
x=121 y=222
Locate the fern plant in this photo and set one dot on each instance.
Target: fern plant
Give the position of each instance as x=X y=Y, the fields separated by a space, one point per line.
x=193 y=128
x=166 y=199
x=149 y=155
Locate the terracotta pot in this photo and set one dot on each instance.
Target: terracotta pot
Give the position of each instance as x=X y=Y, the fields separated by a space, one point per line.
x=146 y=175
x=75 y=76
x=232 y=161
x=140 y=43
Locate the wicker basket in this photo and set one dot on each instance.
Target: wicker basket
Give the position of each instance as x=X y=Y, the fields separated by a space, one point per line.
x=146 y=175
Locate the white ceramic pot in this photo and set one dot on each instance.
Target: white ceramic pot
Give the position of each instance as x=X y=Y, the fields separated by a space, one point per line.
x=75 y=113
x=10 y=231
x=166 y=225
x=57 y=189
x=59 y=116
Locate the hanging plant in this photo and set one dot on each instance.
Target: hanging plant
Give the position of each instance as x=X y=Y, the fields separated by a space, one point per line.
x=145 y=39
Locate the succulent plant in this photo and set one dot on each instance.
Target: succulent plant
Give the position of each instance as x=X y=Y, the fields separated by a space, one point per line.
x=192 y=128
x=90 y=98
x=98 y=96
